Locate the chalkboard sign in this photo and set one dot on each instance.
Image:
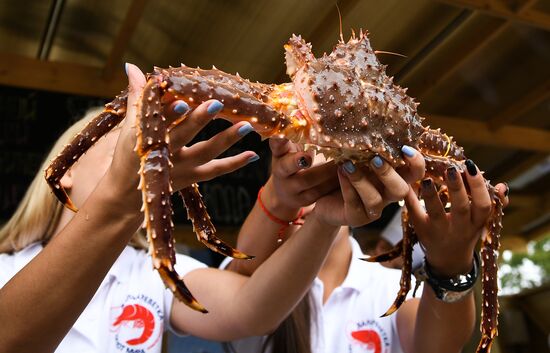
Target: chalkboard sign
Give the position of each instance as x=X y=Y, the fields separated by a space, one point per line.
x=31 y=121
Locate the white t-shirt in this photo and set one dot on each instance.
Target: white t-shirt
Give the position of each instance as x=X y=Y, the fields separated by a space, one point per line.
x=128 y=313
x=350 y=322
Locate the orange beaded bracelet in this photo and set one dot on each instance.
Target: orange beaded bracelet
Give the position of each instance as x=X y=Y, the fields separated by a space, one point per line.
x=284 y=224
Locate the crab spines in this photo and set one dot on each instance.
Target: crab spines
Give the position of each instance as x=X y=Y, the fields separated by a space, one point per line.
x=409 y=240
x=98 y=127
x=297 y=55
x=176 y=284
x=490 y=244
x=202 y=225
x=394 y=253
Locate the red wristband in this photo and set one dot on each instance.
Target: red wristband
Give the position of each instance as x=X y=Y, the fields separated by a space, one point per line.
x=284 y=224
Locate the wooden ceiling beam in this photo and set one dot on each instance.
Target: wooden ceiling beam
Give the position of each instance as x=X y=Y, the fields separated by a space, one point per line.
x=528 y=17
x=59 y=77
x=472 y=131
x=518 y=168
x=127 y=28
x=526 y=103
x=453 y=64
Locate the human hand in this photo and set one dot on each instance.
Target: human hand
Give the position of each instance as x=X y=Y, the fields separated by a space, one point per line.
x=294 y=183
x=190 y=164
x=364 y=191
x=449 y=238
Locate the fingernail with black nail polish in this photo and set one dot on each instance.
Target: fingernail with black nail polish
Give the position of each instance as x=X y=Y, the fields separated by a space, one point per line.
x=303 y=162
x=214 y=107
x=426 y=185
x=245 y=129
x=507 y=191
x=181 y=107
x=451 y=173
x=471 y=167
x=349 y=167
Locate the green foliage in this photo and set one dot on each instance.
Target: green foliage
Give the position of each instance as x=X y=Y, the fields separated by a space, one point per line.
x=526 y=270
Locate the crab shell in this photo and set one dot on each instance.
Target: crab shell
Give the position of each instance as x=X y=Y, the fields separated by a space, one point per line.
x=353 y=109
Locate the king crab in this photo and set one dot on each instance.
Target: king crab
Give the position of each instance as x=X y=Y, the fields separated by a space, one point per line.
x=342 y=104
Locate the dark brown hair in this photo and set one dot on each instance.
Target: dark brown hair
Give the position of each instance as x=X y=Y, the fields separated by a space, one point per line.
x=293 y=335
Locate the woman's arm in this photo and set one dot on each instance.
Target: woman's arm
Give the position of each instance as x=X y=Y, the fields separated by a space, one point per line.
x=41 y=302
x=429 y=324
x=240 y=306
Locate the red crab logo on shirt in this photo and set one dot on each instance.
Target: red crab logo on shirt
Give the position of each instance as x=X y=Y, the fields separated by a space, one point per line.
x=370 y=338
x=141 y=318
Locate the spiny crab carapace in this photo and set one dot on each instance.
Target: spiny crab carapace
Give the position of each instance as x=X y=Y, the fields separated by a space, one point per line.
x=342 y=104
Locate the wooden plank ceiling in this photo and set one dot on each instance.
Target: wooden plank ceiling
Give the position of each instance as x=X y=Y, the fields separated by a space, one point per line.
x=480 y=68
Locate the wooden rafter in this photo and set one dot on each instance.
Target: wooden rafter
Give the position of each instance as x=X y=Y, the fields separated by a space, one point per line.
x=526 y=103
x=129 y=24
x=521 y=167
x=59 y=77
x=498 y=9
x=471 y=131
x=453 y=64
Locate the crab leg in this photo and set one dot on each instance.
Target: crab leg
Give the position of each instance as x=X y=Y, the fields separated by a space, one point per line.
x=203 y=227
x=489 y=253
x=387 y=256
x=99 y=126
x=152 y=148
x=409 y=239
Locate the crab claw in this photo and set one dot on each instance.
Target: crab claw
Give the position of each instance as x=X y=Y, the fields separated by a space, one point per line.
x=180 y=290
x=387 y=256
x=203 y=227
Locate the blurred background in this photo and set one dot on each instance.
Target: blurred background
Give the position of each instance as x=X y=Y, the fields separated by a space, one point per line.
x=480 y=68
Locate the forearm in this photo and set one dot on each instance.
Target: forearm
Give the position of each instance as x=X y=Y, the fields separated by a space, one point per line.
x=443 y=327
x=45 y=298
x=256 y=305
x=278 y=285
x=258 y=235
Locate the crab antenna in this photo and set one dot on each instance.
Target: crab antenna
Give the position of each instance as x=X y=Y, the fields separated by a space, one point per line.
x=389 y=52
x=340 y=19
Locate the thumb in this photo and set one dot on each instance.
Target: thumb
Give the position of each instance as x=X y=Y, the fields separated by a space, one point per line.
x=136 y=82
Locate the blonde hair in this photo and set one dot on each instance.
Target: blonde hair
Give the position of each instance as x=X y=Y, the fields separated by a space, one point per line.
x=38 y=214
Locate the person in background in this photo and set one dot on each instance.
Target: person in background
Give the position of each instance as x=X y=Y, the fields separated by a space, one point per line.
x=342 y=310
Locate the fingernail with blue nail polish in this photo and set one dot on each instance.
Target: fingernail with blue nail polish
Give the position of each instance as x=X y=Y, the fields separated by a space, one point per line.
x=377 y=162
x=214 y=107
x=126 y=68
x=408 y=151
x=181 y=107
x=471 y=167
x=245 y=129
x=254 y=158
x=349 y=167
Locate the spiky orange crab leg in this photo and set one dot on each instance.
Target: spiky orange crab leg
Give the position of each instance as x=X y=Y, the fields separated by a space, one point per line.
x=152 y=148
x=203 y=227
x=409 y=239
x=99 y=126
x=490 y=244
x=394 y=253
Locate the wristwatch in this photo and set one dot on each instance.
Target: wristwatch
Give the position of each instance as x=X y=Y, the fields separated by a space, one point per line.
x=450 y=289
